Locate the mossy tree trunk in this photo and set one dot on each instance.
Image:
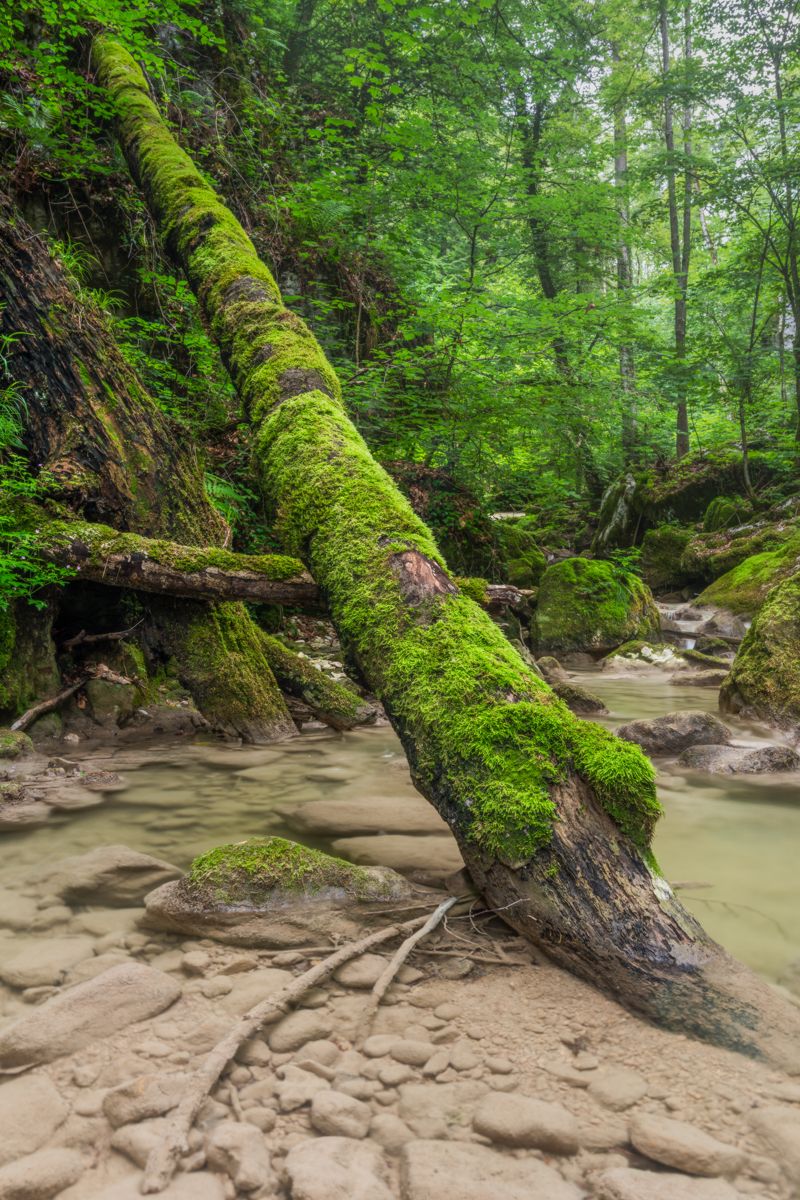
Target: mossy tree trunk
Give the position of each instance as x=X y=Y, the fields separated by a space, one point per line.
x=553 y=815
x=116 y=456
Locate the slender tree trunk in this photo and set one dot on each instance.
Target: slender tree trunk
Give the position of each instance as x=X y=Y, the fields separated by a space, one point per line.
x=553 y=815
x=627 y=365
x=116 y=457
x=679 y=232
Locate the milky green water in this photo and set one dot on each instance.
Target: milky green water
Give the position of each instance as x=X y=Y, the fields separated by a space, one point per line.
x=737 y=837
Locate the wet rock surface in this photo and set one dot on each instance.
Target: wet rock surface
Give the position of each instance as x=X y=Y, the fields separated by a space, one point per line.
x=675 y=732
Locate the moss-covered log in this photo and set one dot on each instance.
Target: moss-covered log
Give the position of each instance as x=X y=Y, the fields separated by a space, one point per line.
x=104 y=555
x=334 y=704
x=115 y=456
x=553 y=815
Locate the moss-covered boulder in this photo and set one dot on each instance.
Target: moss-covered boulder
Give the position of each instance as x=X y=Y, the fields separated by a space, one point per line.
x=525 y=562
x=764 y=680
x=277 y=893
x=14 y=744
x=589 y=604
x=725 y=512
x=661 y=560
x=707 y=556
x=744 y=588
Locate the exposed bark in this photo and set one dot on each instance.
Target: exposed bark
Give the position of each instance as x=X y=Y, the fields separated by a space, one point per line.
x=552 y=815
x=103 y=555
x=117 y=457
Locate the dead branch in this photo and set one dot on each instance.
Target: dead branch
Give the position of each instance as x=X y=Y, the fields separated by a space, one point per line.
x=393 y=966
x=163 y=1159
x=101 y=671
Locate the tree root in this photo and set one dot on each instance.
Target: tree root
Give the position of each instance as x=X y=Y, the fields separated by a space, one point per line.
x=163 y=1159
x=398 y=958
x=101 y=671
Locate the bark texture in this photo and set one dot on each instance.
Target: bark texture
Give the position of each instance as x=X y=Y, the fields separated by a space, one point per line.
x=116 y=457
x=553 y=815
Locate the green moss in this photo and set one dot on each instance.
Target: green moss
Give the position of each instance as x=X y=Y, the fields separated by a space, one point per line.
x=13 y=743
x=591 y=604
x=476 y=589
x=723 y=513
x=103 y=542
x=765 y=677
x=744 y=588
x=525 y=561
x=219 y=657
x=486 y=738
x=253 y=870
x=661 y=557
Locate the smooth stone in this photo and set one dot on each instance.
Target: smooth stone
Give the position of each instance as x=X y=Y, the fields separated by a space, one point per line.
x=147 y=1096
x=335 y=1114
x=390 y=1132
x=434 y=1170
x=373 y=815
x=514 y=1120
x=423 y=1104
x=676 y=1144
x=41 y=1175
x=623 y=1183
x=16 y=912
x=617 y=1087
x=675 y=732
x=115 y=875
x=199 y=1185
x=45 y=961
x=779 y=1127
x=80 y=1016
x=430 y=856
x=31 y=1110
x=253 y=987
x=362 y=972
x=411 y=1052
x=138 y=1140
x=298 y=1088
x=732 y=760
x=301 y=1026
x=336 y=1168
x=240 y=1151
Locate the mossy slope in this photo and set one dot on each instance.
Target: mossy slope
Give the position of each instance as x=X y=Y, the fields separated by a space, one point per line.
x=765 y=677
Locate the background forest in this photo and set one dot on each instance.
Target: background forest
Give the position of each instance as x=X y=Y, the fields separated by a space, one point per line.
x=540 y=242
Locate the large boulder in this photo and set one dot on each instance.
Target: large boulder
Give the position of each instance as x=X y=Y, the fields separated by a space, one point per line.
x=275 y=893
x=764 y=680
x=590 y=604
x=675 y=732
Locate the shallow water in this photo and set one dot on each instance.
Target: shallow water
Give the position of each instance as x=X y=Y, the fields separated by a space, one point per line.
x=736 y=837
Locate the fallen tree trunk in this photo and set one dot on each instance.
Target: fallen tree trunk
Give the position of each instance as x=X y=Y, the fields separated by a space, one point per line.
x=553 y=815
x=104 y=555
x=112 y=454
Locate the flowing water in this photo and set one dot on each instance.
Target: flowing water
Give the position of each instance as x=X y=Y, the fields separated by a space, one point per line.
x=735 y=839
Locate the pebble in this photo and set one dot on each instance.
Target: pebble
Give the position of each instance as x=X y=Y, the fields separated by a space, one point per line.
x=40 y=1175
x=394 y=1074
x=432 y=1170
x=196 y=962
x=622 y=1183
x=521 y=1121
x=378 y=1045
x=239 y=1150
x=499 y=1066
x=301 y=1026
x=463 y=1057
x=390 y=1132
x=337 y=1114
x=412 y=1053
x=617 y=1087
x=362 y=972
x=30 y=1112
x=437 y=1063
x=336 y=1168
x=264 y=1119
x=676 y=1144
x=218 y=986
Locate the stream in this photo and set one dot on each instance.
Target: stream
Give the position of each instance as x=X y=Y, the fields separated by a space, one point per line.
x=734 y=839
